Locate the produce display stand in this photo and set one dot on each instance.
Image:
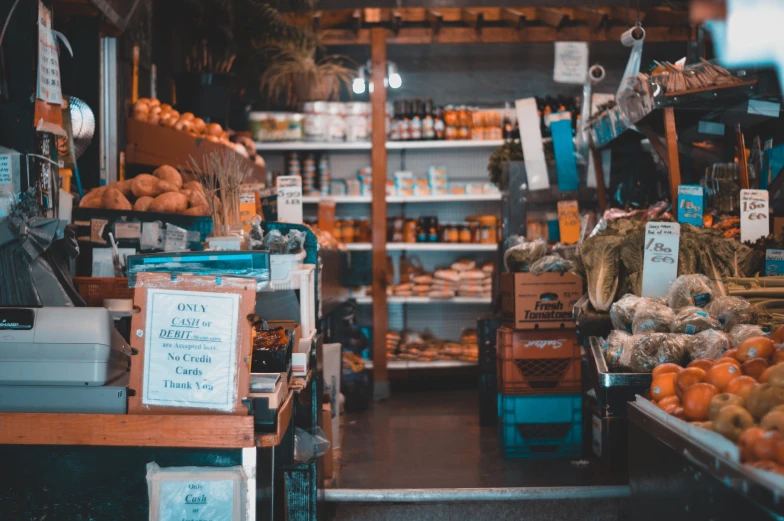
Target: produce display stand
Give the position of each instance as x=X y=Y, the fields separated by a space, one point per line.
x=673 y=476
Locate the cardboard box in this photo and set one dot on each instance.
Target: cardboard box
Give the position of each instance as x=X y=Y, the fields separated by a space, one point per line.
x=544 y=301
x=326 y=426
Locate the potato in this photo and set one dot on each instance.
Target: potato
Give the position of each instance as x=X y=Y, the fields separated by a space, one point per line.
x=145 y=184
x=92 y=199
x=197 y=210
x=165 y=186
x=142 y=203
x=197 y=198
x=170 y=174
x=124 y=186
x=193 y=185
x=170 y=202
x=113 y=199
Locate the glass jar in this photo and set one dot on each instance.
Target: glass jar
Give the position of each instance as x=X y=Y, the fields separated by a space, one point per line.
x=473 y=227
x=410 y=231
x=363 y=233
x=423 y=229
x=488 y=232
x=432 y=229
x=451 y=116
x=464 y=116
x=452 y=133
x=464 y=233
x=348 y=231
x=337 y=230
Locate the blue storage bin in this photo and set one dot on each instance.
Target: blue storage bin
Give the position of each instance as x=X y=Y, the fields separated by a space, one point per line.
x=546 y=426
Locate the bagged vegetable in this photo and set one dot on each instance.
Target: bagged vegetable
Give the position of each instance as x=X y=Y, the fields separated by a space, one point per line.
x=622 y=312
x=690 y=290
x=732 y=311
x=743 y=332
x=708 y=344
x=520 y=257
x=691 y=320
x=648 y=351
x=652 y=317
x=552 y=263
x=617 y=351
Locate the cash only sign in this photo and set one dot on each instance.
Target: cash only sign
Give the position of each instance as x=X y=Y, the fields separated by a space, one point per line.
x=190 y=349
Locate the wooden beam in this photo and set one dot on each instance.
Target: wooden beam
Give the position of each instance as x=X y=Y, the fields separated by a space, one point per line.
x=425 y=35
x=378 y=160
x=372 y=15
x=671 y=136
x=601 y=190
x=435 y=19
x=513 y=17
x=700 y=11
x=593 y=17
x=552 y=17
x=666 y=16
x=472 y=17
x=628 y=16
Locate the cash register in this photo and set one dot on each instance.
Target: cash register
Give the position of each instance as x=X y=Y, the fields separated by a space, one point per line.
x=62 y=359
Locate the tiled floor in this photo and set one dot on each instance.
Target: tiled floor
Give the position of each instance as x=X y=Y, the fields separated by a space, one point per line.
x=433 y=439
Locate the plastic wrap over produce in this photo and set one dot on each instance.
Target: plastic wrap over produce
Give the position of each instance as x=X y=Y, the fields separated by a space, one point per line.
x=622 y=312
x=190 y=350
x=732 y=311
x=743 y=332
x=691 y=290
x=521 y=256
x=618 y=351
x=708 y=344
x=691 y=320
x=652 y=317
x=648 y=351
x=196 y=493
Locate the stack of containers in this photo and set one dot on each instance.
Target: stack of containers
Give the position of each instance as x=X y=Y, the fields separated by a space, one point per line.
x=539 y=367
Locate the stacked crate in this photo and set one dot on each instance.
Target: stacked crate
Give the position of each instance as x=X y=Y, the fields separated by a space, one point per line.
x=539 y=367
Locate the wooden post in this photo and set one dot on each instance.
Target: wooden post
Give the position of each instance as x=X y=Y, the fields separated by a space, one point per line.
x=671 y=135
x=378 y=101
x=601 y=190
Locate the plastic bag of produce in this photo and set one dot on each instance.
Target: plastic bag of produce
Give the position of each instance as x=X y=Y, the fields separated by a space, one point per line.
x=622 y=312
x=552 y=263
x=617 y=351
x=742 y=332
x=690 y=290
x=732 y=311
x=691 y=320
x=652 y=317
x=520 y=257
x=648 y=351
x=708 y=344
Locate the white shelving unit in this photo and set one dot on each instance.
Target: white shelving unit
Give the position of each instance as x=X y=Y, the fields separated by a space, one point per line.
x=354 y=199
x=428 y=300
x=279 y=146
x=339 y=199
x=439 y=144
x=359 y=246
x=436 y=364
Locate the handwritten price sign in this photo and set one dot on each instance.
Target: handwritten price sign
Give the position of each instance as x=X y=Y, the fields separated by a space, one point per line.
x=569 y=221
x=690 y=204
x=754 y=220
x=290 y=199
x=660 y=258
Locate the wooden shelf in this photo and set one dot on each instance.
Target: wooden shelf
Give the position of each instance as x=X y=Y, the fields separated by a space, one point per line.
x=154 y=145
x=127 y=430
x=284 y=418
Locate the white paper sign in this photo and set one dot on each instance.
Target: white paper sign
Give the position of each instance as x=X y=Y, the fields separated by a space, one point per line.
x=96 y=230
x=151 y=236
x=571 y=62
x=127 y=230
x=48 y=81
x=191 y=349
x=202 y=500
x=660 y=258
x=289 y=199
x=5 y=169
x=175 y=238
x=754 y=215
x=531 y=142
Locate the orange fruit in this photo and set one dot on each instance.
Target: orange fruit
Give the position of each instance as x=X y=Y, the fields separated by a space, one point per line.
x=667 y=400
x=779 y=450
x=702 y=363
x=755 y=347
x=686 y=378
x=763 y=378
x=765 y=447
x=727 y=361
x=778 y=355
x=778 y=336
x=663 y=386
x=754 y=367
x=747 y=441
x=722 y=374
x=741 y=386
x=729 y=353
x=665 y=368
x=696 y=400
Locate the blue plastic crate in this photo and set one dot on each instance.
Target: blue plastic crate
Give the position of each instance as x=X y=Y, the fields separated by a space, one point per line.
x=534 y=427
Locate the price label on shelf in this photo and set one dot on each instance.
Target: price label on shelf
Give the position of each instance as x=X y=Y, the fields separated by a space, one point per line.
x=569 y=221
x=690 y=204
x=754 y=215
x=774 y=262
x=289 y=199
x=660 y=258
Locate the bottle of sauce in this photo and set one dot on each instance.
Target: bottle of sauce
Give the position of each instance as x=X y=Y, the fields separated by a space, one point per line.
x=506 y=124
x=394 y=129
x=417 y=111
x=428 y=122
x=439 y=128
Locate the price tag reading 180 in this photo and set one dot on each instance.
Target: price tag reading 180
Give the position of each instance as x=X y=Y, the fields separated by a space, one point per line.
x=754 y=220
x=660 y=258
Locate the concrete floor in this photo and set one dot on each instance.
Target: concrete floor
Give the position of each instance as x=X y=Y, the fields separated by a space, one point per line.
x=433 y=439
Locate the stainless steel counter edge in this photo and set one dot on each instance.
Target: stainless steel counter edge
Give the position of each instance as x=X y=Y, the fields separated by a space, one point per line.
x=472 y=494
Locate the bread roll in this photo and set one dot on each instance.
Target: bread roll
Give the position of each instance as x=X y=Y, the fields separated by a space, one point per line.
x=169 y=174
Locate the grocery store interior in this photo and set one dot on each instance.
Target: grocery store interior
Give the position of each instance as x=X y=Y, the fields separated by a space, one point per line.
x=316 y=260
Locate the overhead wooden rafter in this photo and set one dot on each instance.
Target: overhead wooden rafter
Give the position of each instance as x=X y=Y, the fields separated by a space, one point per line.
x=496 y=24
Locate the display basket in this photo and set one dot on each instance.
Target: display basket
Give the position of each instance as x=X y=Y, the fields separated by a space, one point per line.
x=95 y=289
x=535 y=427
x=538 y=362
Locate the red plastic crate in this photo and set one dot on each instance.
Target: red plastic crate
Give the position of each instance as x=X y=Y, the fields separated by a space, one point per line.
x=538 y=362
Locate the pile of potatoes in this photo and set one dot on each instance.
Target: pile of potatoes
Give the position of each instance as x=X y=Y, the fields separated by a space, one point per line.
x=164 y=191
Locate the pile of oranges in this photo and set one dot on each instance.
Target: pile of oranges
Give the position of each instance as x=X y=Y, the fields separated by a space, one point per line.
x=740 y=395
